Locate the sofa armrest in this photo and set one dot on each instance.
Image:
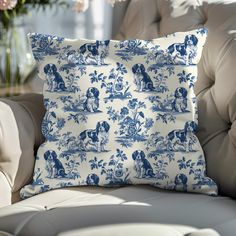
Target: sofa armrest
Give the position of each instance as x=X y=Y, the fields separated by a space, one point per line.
x=20 y=136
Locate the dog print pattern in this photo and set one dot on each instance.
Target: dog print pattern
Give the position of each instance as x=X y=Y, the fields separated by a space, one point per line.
x=120 y=112
x=95 y=140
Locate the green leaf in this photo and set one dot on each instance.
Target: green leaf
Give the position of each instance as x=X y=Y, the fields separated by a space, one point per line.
x=6 y=14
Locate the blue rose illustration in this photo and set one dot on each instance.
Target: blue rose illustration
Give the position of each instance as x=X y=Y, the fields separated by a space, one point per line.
x=133 y=103
x=124 y=111
x=43 y=43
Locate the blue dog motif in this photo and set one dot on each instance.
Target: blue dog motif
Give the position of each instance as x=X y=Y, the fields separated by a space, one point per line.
x=54 y=167
x=55 y=81
x=180 y=101
x=92 y=179
x=183 y=53
x=181 y=182
x=95 y=53
x=142 y=165
x=95 y=139
x=181 y=140
x=141 y=78
x=91 y=103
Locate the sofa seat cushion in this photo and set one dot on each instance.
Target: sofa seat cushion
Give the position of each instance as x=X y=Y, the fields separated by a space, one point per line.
x=78 y=208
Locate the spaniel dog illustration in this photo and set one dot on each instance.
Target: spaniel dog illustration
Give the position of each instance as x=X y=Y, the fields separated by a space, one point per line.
x=183 y=53
x=54 y=167
x=54 y=79
x=142 y=165
x=181 y=182
x=92 y=179
x=180 y=101
x=141 y=78
x=95 y=53
x=181 y=140
x=91 y=103
x=95 y=140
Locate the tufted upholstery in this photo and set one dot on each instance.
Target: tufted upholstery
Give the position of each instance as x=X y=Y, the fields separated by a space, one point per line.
x=216 y=86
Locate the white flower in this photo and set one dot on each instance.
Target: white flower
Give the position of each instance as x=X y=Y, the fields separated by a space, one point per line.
x=7 y=4
x=83 y=5
x=80 y=5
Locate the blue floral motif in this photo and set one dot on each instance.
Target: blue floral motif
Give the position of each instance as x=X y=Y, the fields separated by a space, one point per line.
x=72 y=81
x=160 y=169
x=114 y=170
x=128 y=49
x=160 y=83
x=44 y=45
x=95 y=77
x=187 y=78
x=133 y=126
x=124 y=111
x=65 y=184
x=186 y=164
x=72 y=168
x=96 y=164
x=37 y=177
x=44 y=188
x=202 y=31
x=48 y=104
x=51 y=126
x=114 y=84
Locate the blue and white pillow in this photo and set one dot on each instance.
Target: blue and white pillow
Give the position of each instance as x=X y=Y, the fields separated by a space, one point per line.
x=120 y=112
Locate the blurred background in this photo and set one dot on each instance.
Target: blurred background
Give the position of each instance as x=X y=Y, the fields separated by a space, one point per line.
x=72 y=19
x=65 y=21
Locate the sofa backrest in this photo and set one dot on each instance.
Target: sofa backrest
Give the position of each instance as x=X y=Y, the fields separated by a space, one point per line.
x=216 y=85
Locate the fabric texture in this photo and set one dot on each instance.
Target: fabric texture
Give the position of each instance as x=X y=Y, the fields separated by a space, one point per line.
x=120 y=113
x=215 y=87
x=80 y=208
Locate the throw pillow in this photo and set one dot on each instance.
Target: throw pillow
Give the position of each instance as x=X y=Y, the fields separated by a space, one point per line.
x=120 y=112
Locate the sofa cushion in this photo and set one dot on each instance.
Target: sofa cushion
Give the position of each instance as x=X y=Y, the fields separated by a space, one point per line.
x=68 y=209
x=120 y=112
x=215 y=87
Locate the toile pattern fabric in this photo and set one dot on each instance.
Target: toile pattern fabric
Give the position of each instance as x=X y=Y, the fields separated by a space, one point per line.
x=120 y=112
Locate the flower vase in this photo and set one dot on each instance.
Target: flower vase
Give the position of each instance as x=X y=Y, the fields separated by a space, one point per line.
x=16 y=63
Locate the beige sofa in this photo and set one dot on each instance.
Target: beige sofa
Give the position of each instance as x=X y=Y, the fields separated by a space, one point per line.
x=135 y=210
